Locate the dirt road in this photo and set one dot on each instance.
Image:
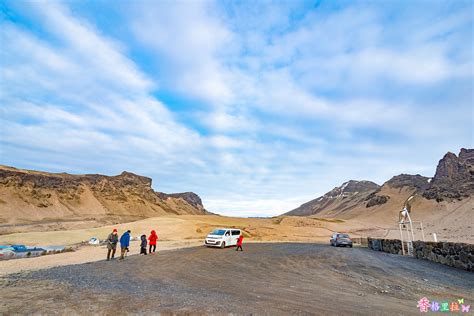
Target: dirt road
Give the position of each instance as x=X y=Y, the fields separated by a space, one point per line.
x=277 y=278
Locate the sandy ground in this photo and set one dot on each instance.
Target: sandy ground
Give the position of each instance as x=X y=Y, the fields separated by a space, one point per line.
x=183 y=277
x=174 y=232
x=182 y=231
x=188 y=227
x=276 y=279
x=82 y=255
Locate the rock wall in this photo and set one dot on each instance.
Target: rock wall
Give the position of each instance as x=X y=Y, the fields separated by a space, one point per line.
x=362 y=241
x=393 y=246
x=458 y=255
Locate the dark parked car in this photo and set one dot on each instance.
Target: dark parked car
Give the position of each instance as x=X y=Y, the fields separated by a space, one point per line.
x=338 y=239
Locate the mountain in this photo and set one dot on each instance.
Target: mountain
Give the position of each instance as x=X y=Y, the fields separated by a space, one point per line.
x=454 y=178
x=364 y=200
x=404 y=185
x=190 y=197
x=339 y=200
x=40 y=197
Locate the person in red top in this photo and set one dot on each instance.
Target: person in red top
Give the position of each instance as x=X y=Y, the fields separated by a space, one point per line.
x=239 y=243
x=153 y=238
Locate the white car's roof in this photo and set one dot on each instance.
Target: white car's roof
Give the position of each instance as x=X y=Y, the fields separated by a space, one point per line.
x=228 y=228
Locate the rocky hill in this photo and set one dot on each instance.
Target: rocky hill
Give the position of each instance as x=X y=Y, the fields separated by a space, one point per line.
x=39 y=197
x=405 y=183
x=454 y=180
x=339 y=200
x=190 y=197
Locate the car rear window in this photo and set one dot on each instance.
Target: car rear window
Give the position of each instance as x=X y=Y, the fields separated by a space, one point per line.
x=343 y=236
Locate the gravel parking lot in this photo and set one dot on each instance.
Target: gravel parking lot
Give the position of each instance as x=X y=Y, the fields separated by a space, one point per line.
x=272 y=278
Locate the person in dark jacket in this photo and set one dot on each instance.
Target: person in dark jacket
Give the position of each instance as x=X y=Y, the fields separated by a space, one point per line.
x=239 y=243
x=143 y=245
x=124 y=244
x=112 y=241
x=153 y=238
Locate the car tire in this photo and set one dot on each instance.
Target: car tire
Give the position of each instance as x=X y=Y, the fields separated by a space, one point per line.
x=223 y=245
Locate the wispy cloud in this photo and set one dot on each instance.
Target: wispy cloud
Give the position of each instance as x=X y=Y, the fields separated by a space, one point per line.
x=190 y=38
x=257 y=107
x=82 y=94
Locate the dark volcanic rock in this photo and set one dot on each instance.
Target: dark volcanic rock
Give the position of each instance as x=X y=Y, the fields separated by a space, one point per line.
x=190 y=197
x=416 y=183
x=408 y=180
x=454 y=178
x=66 y=181
x=467 y=155
x=374 y=199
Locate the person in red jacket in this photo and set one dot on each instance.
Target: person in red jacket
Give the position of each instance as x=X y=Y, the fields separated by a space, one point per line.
x=153 y=238
x=239 y=243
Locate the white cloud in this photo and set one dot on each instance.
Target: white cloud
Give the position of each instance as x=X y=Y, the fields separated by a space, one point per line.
x=285 y=109
x=88 y=46
x=83 y=95
x=222 y=120
x=190 y=38
x=224 y=142
x=254 y=208
x=204 y=57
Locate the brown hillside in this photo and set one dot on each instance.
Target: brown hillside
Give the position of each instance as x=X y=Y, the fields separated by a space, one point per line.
x=339 y=200
x=39 y=197
x=443 y=203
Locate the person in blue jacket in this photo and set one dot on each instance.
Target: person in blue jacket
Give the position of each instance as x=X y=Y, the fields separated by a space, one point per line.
x=124 y=243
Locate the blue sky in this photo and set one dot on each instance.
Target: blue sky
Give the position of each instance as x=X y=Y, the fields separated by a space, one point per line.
x=257 y=107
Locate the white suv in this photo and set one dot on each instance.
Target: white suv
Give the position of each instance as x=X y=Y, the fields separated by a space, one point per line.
x=222 y=237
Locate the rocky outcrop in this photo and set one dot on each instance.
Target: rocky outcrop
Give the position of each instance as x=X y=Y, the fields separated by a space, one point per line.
x=374 y=199
x=454 y=178
x=413 y=183
x=417 y=182
x=33 y=195
x=190 y=197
